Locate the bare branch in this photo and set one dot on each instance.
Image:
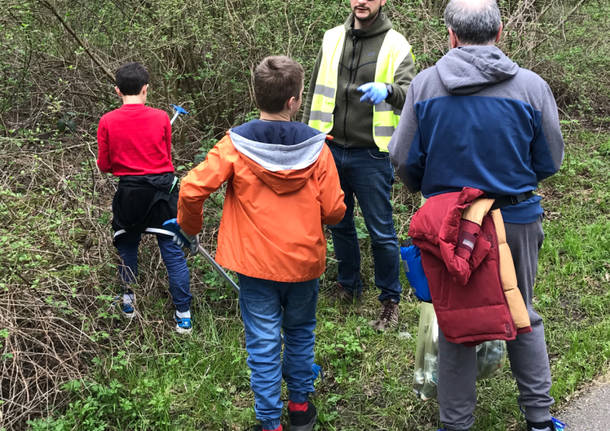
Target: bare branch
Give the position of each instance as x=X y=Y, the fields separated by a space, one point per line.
x=78 y=40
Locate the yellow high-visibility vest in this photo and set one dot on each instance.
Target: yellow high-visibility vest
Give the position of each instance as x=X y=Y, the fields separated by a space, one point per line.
x=394 y=50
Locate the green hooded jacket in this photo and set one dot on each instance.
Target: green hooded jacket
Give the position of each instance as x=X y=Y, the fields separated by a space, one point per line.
x=352 y=119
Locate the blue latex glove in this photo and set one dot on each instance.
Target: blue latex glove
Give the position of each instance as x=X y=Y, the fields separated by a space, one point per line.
x=182 y=238
x=317 y=371
x=374 y=92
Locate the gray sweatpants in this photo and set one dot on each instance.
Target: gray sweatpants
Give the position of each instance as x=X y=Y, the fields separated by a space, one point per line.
x=528 y=357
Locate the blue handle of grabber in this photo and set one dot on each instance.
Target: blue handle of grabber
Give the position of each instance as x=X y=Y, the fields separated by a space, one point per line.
x=178 y=110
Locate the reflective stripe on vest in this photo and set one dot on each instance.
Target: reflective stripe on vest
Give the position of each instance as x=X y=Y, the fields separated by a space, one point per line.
x=323 y=100
x=394 y=50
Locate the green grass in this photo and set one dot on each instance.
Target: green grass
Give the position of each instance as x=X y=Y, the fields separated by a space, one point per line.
x=151 y=378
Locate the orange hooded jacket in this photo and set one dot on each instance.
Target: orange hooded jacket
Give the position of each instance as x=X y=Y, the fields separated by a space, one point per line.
x=277 y=198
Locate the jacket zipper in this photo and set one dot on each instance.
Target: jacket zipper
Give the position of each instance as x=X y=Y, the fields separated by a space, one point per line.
x=349 y=81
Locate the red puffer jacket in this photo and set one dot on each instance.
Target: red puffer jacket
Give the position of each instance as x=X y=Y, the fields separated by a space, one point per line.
x=467 y=294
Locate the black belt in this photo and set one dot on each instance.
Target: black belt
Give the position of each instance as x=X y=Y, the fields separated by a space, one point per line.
x=507 y=200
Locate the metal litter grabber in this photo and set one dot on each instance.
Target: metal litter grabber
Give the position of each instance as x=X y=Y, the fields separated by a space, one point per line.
x=181 y=239
x=217 y=267
x=179 y=110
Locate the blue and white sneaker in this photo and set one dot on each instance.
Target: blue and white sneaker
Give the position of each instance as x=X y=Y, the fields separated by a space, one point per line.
x=559 y=426
x=184 y=325
x=127 y=305
x=128 y=310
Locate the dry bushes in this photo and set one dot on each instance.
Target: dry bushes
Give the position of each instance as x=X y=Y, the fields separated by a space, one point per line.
x=58 y=276
x=42 y=351
x=52 y=264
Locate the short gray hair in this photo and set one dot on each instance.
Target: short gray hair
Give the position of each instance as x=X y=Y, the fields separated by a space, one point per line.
x=473 y=22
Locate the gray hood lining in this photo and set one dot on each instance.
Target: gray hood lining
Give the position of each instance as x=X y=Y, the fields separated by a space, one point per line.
x=277 y=157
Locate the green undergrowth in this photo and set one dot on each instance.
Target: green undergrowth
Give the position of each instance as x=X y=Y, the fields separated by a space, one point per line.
x=151 y=378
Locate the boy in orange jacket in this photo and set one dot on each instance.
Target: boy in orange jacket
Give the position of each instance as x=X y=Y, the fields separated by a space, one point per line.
x=282 y=186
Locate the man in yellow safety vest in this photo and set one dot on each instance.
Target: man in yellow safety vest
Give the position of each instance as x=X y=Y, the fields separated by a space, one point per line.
x=356 y=93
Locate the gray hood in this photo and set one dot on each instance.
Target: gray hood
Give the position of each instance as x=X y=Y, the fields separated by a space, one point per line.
x=278 y=157
x=468 y=69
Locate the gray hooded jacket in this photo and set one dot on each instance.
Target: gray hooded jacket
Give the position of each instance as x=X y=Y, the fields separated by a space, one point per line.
x=476 y=119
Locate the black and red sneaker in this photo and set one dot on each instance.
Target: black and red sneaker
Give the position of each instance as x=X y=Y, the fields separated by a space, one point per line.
x=302 y=416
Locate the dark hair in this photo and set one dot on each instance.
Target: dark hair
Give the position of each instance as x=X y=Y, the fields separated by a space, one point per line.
x=130 y=78
x=473 y=24
x=277 y=79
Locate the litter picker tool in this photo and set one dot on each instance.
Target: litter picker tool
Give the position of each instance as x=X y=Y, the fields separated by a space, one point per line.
x=178 y=110
x=217 y=267
x=181 y=239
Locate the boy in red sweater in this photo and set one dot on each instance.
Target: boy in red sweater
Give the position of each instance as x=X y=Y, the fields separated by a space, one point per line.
x=134 y=143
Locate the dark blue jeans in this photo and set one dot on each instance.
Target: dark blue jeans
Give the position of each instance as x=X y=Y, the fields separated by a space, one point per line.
x=269 y=308
x=367 y=175
x=173 y=257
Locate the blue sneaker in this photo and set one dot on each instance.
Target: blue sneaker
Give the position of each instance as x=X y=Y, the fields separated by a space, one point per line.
x=552 y=425
x=559 y=426
x=126 y=302
x=184 y=325
x=128 y=310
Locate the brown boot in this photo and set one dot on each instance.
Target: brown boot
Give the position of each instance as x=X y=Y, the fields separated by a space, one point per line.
x=388 y=318
x=344 y=295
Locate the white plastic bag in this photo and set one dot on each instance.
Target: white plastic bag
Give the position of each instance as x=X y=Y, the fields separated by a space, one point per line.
x=425 y=377
x=491 y=355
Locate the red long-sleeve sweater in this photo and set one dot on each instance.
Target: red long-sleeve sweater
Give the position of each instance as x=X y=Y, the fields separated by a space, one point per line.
x=135 y=139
